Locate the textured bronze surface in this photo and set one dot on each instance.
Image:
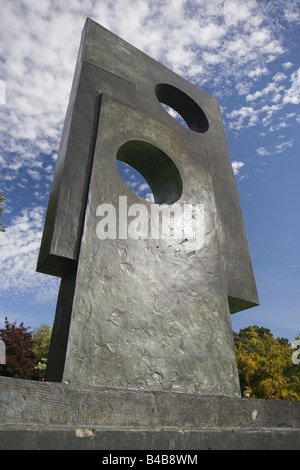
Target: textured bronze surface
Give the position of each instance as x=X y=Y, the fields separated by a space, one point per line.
x=145 y=314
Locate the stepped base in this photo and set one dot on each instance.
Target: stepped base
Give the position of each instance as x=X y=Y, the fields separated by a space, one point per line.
x=44 y=415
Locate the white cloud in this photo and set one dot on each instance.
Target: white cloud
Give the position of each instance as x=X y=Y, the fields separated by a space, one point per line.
x=258 y=72
x=209 y=35
x=2 y=161
x=2 y=92
x=208 y=41
x=144 y=187
x=287 y=65
x=19 y=248
x=236 y=12
x=266 y=103
x=280 y=125
x=262 y=151
x=49 y=169
x=243 y=88
x=236 y=166
x=279 y=76
x=270 y=111
x=246 y=116
x=39 y=196
x=291 y=11
x=270 y=88
x=149 y=197
x=37 y=51
x=283 y=146
x=34 y=174
x=132 y=184
x=292 y=95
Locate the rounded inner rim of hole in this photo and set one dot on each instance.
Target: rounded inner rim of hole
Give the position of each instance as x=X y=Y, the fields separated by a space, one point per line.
x=175 y=115
x=135 y=181
x=156 y=167
x=184 y=105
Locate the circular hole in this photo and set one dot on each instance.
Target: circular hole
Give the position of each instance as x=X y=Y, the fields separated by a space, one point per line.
x=157 y=169
x=135 y=181
x=185 y=106
x=175 y=115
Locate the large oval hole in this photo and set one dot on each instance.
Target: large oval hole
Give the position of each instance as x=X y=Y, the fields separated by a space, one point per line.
x=185 y=106
x=155 y=166
x=135 y=181
x=175 y=115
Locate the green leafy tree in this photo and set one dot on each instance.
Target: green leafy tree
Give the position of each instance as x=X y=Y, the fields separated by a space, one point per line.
x=265 y=365
x=21 y=360
x=41 y=343
x=2 y=199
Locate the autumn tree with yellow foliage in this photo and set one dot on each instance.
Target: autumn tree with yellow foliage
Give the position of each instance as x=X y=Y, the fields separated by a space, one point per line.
x=265 y=365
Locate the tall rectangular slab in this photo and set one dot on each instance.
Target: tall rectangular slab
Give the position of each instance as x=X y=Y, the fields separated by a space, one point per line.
x=143 y=313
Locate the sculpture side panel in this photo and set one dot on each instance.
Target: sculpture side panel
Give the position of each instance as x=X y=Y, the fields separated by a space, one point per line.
x=65 y=215
x=241 y=285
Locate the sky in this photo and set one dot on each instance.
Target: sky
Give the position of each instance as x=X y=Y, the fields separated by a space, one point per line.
x=245 y=54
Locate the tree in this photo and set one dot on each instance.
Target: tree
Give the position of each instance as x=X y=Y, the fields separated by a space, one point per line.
x=41 y=343
x=265 y=365
x=2 y=199
x=21 y=360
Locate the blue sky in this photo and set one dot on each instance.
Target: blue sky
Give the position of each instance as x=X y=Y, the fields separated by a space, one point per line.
x=245 y=54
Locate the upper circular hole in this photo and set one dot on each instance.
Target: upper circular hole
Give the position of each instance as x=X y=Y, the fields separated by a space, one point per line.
x=175 y=115
x=185 y=106
x=155 y=166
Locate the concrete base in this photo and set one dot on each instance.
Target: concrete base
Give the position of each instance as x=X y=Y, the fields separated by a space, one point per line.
x=44 y=415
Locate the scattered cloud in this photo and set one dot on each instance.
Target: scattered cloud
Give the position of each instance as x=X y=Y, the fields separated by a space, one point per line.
x=258 y=72
x=292 y=95
x=270 y=88
x=236 y=166
x=132 y=184
x=287 y=65
x=262 y=151
x=243 y=88
x=246 y=116
x=134 y=180
x=279 y=76
x=149 y=197
x=283 y=146
x=2 y=92
x=267 y=102
x=211 y=42
x=19 y=248
x=144 y=187
x=34 y=174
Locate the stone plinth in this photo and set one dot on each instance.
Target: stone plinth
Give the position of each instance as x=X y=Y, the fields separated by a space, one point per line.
x=47 y=415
